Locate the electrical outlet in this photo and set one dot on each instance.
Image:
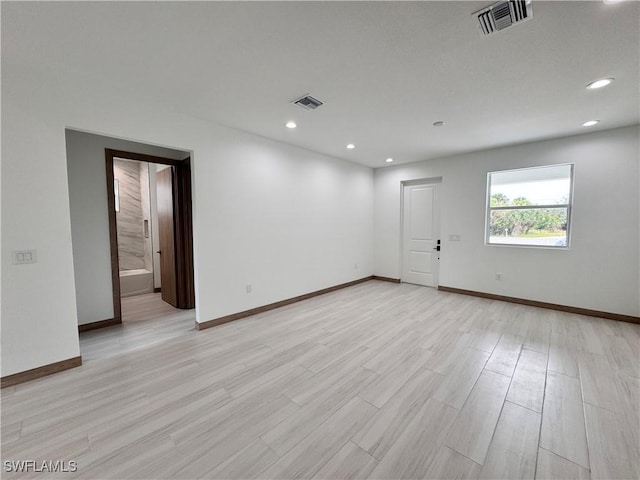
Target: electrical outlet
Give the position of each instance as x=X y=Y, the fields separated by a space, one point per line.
x=355 y=266
x=20 y=257
x=249 y=288
x=454 y=238
x=498 y=276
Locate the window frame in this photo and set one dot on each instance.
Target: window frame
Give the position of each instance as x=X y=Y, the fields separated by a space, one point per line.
x=568 y=206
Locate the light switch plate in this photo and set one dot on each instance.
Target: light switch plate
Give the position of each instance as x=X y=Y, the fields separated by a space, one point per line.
x=21 y=257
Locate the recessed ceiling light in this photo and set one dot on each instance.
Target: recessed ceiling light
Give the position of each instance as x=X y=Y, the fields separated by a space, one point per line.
x=389 y=160
x=350 y=146
x=590 y=123
x=603 y=82
x=611 y=2
x=291 y=124
x=439 y=123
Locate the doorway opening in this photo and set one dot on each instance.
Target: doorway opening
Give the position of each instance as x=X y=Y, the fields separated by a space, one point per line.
x=150 y=228
x=421 y=245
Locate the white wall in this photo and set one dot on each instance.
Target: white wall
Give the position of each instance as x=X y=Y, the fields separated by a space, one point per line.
x=285 y=219
x=600 y=271
x=90 y=217
x=38 y=318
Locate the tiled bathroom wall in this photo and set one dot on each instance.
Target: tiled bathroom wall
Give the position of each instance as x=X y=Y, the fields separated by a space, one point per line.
x=146 y=215
x=134 y=247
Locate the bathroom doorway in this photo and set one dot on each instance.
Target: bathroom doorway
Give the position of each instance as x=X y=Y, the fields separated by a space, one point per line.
x=150 y=228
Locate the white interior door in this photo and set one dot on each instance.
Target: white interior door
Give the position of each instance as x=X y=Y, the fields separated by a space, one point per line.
x=420 y=236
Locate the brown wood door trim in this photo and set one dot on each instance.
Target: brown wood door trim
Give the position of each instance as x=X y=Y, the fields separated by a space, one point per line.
x=182 y=222
x=113 y=238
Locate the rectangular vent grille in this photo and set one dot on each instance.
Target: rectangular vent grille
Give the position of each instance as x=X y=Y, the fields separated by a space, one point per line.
x=308 y=102
x=502 y=15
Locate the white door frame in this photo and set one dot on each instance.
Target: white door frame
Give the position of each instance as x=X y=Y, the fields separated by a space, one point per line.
x=420 y=181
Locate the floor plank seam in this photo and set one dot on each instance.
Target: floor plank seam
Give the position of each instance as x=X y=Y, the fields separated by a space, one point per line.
x=584 y=414
x=544 y=393
x=564 y=458
x=501 y=409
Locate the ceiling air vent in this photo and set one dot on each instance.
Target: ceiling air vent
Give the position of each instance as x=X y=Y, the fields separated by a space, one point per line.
x=308 y=102
x=502 y=15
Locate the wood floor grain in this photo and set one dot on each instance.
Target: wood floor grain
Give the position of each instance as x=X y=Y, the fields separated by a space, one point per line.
x=514 y=446
x=378 y=380
x=527 y=385
x=473 y=428
x=551 y=465
x=563 y=427
x=614 y=454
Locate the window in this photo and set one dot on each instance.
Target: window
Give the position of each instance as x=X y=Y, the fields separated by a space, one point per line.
x=530 y=206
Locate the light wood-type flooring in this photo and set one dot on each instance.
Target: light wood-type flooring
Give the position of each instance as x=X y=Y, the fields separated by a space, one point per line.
x=378 y=380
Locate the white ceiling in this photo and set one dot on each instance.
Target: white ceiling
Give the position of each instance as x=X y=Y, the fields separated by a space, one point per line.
x=385 y=70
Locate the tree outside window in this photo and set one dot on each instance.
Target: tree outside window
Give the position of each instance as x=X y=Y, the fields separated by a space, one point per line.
x=530 y=206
